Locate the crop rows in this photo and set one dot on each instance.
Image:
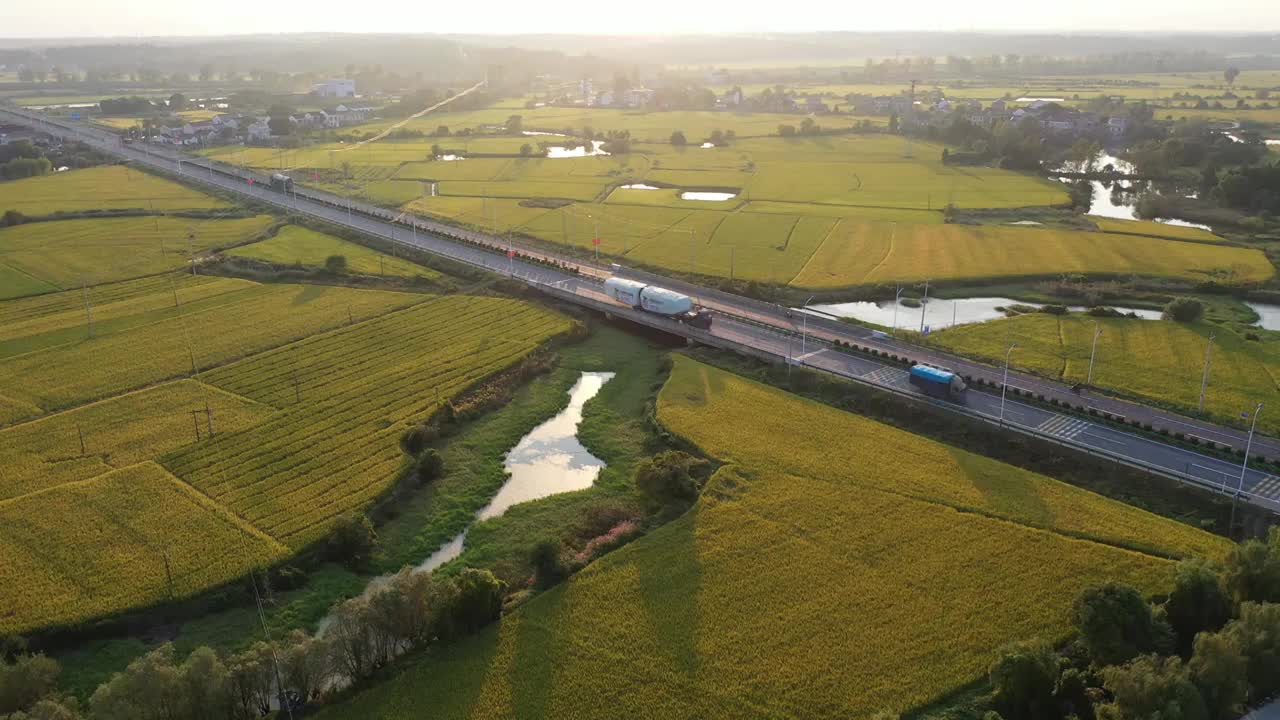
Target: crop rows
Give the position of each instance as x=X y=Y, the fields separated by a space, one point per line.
x=71 y=253
x=31 y=323
x=843 y=447
x=110 y=187
x=240 y=324
x=346 y=397
x=120 y=431
x=86 y=549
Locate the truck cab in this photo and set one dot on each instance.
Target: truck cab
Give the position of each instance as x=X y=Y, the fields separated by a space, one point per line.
x=938 y=382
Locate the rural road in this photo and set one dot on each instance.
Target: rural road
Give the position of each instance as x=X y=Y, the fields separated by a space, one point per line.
x=745 y=323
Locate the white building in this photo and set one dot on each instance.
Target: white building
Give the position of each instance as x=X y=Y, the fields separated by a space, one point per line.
x=337 y=87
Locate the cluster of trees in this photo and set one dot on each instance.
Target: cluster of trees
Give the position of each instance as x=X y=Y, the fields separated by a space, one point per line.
x=1252 y=189
x=807 y=127
x=132 y=105
x=1194 y=144
x=411 y=611
x=22 y=159
x=1205 y=653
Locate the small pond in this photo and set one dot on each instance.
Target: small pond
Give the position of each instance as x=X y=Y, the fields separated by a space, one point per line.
x=638 y=186
x=539 y=133
x=556 y=151
x=451 y=158
x=707 y=145
x=547 y=461
x=1119 y=199
x=712 y=196
x=1268 y=315
x=941 y=313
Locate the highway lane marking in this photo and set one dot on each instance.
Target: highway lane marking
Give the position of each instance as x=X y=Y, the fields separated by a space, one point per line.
x=1064 y=426
x=1092 y=436
x=1268 y=487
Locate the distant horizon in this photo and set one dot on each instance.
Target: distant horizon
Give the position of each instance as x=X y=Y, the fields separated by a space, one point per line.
x=157 y=19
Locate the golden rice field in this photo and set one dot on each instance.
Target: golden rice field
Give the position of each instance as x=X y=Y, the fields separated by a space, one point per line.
x=1154 y=360
x=120 y=431
x=107 y=187
x=345 y=398
x=42 y=321
x=1155 y=229
x=80 y=550
x=905 y=598
x=194 y=338
x=72 y=253
x=295 y=245
x=872 y=252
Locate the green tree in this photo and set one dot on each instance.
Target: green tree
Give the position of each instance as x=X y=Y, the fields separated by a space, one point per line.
x=1183 y=310
x=1023 y=678
x=547 y=558
x=1115 y=624
x=515 y=124
x=785 y=130
x=1252 y=570
x=526 y=149
x=24 y=679
x=678 y=139
x=352 y=540
x=1198 y=603
x=336 y=264
x=429 y=467
x=1230 y=74
x=1152 y=688
x=893 y=123
x=1221 y=673
x=477 y=600
x=1256 y=636
x=670 y=477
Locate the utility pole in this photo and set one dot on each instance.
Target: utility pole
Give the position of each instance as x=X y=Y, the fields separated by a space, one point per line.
x=911 y=108
x=1244 y=468
x=731 y=249
x=1204 y=380
x=804 y=326
x=191 y=236
x=1004 y=386
x=1097 y=333
x=924 y=305
x=81 y=434
x=896 y=297
x=195 y=421
x=88 y=313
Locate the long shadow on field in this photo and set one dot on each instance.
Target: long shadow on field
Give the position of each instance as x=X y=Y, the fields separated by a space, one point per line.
x=670 y=582
x=308 y=293
x=1006 y=493
x=539 y=652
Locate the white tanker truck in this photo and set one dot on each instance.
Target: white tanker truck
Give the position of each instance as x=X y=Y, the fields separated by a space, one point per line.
x=657 y=300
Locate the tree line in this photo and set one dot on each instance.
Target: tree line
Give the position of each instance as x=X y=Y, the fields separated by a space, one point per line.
x=1207 y=651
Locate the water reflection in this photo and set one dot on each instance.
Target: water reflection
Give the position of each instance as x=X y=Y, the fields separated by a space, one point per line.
x=941 y=313
x=713 y=196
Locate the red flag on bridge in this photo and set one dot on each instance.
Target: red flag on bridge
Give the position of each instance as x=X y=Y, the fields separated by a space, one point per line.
x=511 y=253
x=595 y=241
x=250 y=180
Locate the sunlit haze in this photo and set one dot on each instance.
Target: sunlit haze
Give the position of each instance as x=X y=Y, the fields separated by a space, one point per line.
x=70 y=18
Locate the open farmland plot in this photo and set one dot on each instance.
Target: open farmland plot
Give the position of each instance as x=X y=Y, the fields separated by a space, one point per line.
x=85 y=549
x=303 y=246
x=345 y=399
x=67 y=253
x=1153 y=359
x=34 y=323
x=110 y=187
x=863 y=253
x=1155 y=229
x=117 y=432
x=908 y=599
x=209 y=333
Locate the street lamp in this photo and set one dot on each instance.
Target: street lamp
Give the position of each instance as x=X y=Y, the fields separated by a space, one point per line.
x=924 y=305
x=1004 y=386
x=1097 y=332
x=896 y=297
x=804 y=325
x=1244 y=467
x=1204 y=379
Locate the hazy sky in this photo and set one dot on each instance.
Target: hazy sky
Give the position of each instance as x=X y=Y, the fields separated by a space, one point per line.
x=68 y=18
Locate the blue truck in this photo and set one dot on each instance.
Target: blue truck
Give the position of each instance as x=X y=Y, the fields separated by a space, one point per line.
x=938 y=382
